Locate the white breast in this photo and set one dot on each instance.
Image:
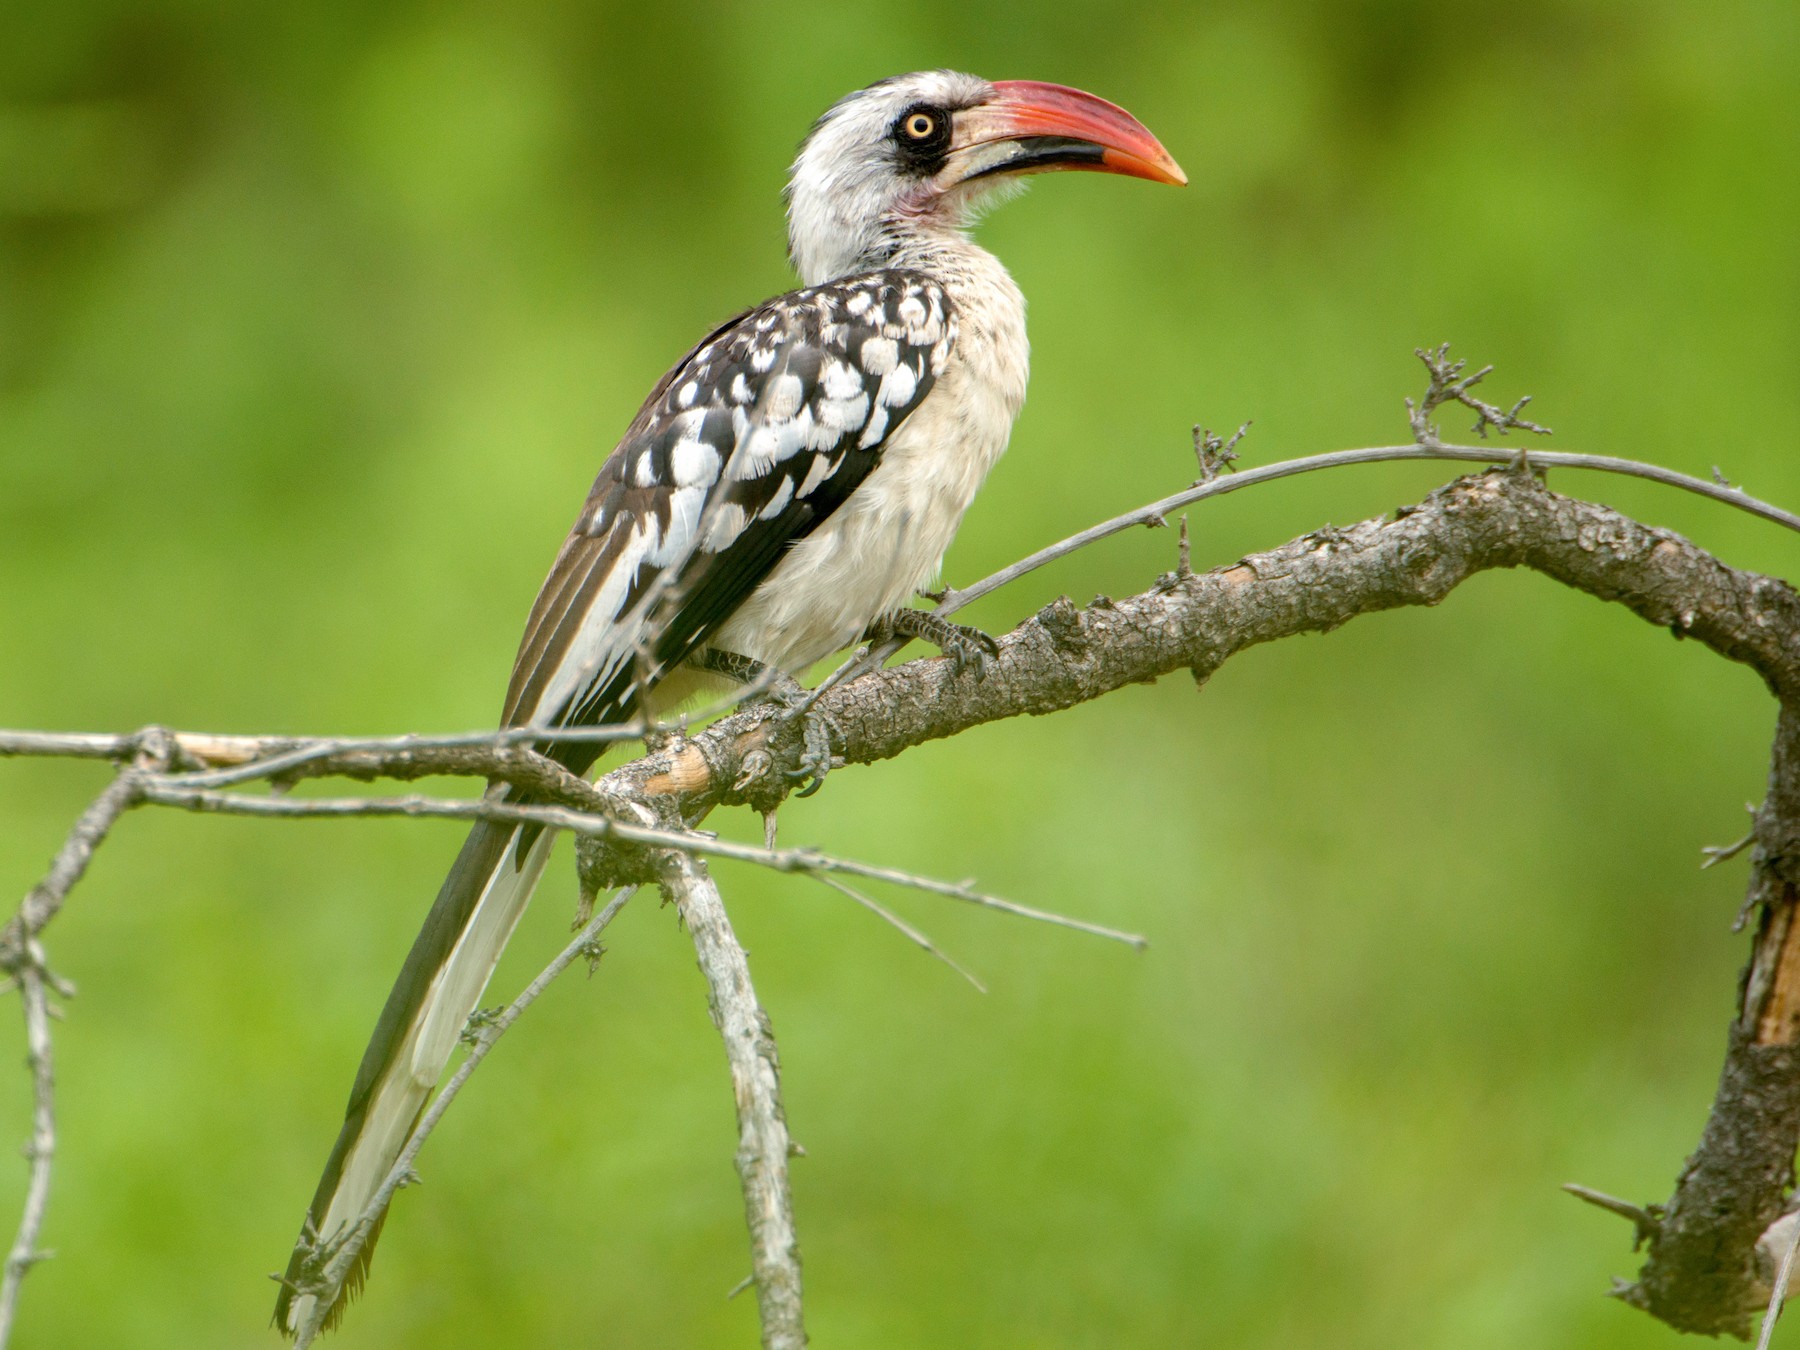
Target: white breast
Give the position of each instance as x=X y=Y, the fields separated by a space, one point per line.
x=888 y=540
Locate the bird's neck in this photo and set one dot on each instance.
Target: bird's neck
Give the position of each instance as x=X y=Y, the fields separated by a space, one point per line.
x=915 y=243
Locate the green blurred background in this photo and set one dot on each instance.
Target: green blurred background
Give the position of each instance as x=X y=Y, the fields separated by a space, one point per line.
x=315 y=322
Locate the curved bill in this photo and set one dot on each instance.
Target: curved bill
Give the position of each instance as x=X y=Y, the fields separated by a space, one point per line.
x=1033 y=127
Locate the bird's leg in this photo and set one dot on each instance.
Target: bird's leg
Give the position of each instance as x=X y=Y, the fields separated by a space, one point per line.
x=959 y=642
x=783 y=692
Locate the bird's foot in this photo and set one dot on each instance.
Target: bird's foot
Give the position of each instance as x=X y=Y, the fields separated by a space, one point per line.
x=792 y=703
x=789 y=702
x=962 y=644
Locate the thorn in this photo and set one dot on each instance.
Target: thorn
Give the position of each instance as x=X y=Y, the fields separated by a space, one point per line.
x=1647 y=1223
x=1183 y=564
x=1720 y=478
x=769 y=830
x=1718 y=853
x=591 y=953
x=740 y=1286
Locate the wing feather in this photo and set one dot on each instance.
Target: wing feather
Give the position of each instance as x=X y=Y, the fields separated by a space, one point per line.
x=753 y=439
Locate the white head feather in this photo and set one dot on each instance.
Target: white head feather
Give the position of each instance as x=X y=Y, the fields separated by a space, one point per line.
x=851 y=206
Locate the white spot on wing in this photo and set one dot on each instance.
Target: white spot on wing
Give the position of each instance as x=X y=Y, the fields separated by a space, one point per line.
x=879 y=356
x=695 y=464
x=599 y=633
x=778 y=503
x=813 y=433
x=727 y=524
x=876 y=429
x=783 y=398
x=689 y=392
x=644 y=474
x=815 y=474
x=685 y=505
x=840 y=416
x=764 y=448
x=842 y=380
x=898 y=386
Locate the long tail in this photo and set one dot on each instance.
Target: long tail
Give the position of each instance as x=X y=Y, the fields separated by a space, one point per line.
x=438 y=988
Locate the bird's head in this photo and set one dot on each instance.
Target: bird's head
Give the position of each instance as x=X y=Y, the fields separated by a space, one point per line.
x=913 y=155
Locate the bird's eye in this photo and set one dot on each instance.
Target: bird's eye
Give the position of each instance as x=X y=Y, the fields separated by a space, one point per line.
x=921 y=138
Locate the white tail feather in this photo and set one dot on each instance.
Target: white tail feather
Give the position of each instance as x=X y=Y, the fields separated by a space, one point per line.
x=397 y=1099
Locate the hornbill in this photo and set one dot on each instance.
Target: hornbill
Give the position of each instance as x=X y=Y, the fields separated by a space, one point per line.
x=786 y=487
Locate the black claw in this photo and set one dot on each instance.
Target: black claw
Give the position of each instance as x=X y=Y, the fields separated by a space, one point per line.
x=816 y=731
x=785 y=699
x=961 y=643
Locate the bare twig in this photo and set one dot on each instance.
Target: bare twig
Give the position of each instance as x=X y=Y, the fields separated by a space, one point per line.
x=1644 y=1222
x=580 y=822
x=45 y=900
x=216 y=759
x=40 y=1152
x=193 y=748
x=950 y=599
x=22 y=959
x=1448 y=384
x=1718 y=853
x=1216 y=454
x=763 y=1144
x=1379 y=454
x=906 y=929
x=345 y=1248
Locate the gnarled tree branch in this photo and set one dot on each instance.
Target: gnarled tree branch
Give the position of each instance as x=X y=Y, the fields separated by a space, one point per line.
x=1066 y=655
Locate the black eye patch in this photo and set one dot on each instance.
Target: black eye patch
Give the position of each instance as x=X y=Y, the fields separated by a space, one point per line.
x=921 y=137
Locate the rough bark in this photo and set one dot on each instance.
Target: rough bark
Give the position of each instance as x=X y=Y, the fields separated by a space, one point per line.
x=1067 y=654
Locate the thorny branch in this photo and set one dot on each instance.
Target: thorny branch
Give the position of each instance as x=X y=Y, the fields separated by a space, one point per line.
x=22 y=960
x=636 y=822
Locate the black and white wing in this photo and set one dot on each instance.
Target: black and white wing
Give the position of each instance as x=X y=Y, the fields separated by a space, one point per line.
x=740 y=452
x=756 y=437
